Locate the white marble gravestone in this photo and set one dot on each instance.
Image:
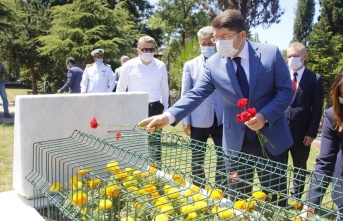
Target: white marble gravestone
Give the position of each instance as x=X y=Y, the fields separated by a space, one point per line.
x=47 y=117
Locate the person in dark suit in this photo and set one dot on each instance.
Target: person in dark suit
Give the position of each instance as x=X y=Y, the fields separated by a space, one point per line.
x=243 y=69
x=74 y=77
x=304 y=113
x=329 y=163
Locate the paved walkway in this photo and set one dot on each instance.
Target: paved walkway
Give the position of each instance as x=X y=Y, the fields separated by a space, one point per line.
x=11 y=110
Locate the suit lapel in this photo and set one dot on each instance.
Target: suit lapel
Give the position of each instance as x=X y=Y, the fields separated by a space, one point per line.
x=254 y=63
x=302 y=84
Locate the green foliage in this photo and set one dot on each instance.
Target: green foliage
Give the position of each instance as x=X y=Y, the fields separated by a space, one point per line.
x=324 y=54
x=191 y=51
x=80 y=27
x=303 y=20
x=332 y=10
x=6 y=15
x=255 y=12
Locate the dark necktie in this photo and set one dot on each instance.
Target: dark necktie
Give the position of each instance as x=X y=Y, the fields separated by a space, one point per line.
x=242 y=78
x=294 y=81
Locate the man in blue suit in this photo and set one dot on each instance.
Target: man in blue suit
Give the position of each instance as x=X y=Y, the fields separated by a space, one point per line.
x=207 y=119
x=74 y=77
x=268 y=87
x=304 y=113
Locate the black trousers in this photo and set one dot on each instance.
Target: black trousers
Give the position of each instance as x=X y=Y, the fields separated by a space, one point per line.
x=300 y=154
x=155 y=108
x=199 y=152
x=272 y=176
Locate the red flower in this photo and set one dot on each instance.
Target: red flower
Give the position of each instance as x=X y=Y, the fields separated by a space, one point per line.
x=252 y=112
x=118 y=135
x=234 y=177
x=94 y=123
x=242 y=103
x=243 y=117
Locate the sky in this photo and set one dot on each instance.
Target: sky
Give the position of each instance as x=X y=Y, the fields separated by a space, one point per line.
x=279 y=34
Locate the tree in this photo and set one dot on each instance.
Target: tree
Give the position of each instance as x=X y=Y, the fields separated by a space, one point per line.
x=303 y=20
x=78 y=28
x=255 y=12
x=332 y=10
x=6 y=15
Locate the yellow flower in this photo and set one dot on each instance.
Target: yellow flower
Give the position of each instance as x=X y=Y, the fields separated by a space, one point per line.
x=132 y=189
x=298 y=218
x=161 y=217
x=151 y=182
x=202 y=205
x=138 y=206
x=260 y=195
x=187 y=209
x=137 y=173
x=77 y=186
x=194 y=189
x=152 y=170
x=55 y=187
x=94 y=183
x=121 y=176
x=149 y=188
x=225 y=213
x=216 y=194
x=192 y=216
x=161 y=201
x=110 y=166
x=112 y=191
x=240 y=205
x=167 y=209
x=74 y=180
x=296 y=205
x=167 y=187
x=177 y=177
x=215 y=209
x=198 y=197
x=105 y=204
x=116 y=169
x=128 y=218
x=173 y=193
x=154 y=194
x=79 y=199
x=188 y=193
x=84 y=171
x=127 y=183
x=129 y=170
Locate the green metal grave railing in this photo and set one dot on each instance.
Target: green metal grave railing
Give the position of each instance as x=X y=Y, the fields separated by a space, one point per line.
x=129 y=177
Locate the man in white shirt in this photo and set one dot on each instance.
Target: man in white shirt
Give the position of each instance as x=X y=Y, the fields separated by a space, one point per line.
x=97 y=77
x=117 y=71
x=147 y=74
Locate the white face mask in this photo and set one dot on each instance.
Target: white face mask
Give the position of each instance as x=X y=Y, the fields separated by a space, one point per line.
x=294 y=63
x=340 y=100
x=207 y=51
x=99 y=61
x=147 y=57
x=225 y=47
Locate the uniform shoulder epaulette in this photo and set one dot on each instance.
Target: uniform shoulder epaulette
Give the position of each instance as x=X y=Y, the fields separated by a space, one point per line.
x=108 y=65
x=89 y=65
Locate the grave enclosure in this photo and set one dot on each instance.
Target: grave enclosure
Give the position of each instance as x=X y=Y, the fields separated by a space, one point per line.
x=47 y=117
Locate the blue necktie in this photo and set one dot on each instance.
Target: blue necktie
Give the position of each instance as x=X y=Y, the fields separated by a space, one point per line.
x=242 y=78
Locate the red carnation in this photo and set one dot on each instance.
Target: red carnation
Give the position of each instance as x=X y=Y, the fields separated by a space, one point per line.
x=118 y=135
x=243 y=117
x=94 y=123
x=242 y=103
x=252 y=112
x=234 y=177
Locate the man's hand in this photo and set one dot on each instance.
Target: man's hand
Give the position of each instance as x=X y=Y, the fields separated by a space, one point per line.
x=308 y=140
x=187 y=129
x=256 y=122
x=154 y=122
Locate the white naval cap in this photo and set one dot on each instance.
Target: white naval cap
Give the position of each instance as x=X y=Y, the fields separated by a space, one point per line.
x=98 y=51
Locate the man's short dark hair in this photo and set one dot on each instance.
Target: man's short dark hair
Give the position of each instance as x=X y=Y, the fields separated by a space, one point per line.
x=71 y=60
x=230 y=19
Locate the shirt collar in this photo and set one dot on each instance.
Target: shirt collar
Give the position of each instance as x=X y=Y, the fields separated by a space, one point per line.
x=244 y=53
x=299 y=72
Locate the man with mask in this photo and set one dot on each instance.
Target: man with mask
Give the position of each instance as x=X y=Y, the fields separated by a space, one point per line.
x=207 y=119
x=258 y=72
x=74 y=77
x=147 y=74
x=97 y=77
x=303 y=114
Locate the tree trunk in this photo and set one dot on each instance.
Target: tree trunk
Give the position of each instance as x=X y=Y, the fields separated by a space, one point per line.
x=34 y=81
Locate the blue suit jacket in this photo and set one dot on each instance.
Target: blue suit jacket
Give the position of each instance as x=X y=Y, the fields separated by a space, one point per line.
x=305 y=112
x=202 y=116
x=270 y=93
x=73 y=80
x=329 y=163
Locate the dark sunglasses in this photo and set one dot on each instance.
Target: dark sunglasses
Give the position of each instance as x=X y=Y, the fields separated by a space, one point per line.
x=147 y=50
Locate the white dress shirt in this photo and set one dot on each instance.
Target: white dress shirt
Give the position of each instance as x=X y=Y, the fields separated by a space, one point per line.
x=152 y=78
x=300 y=73
x=97 y=78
